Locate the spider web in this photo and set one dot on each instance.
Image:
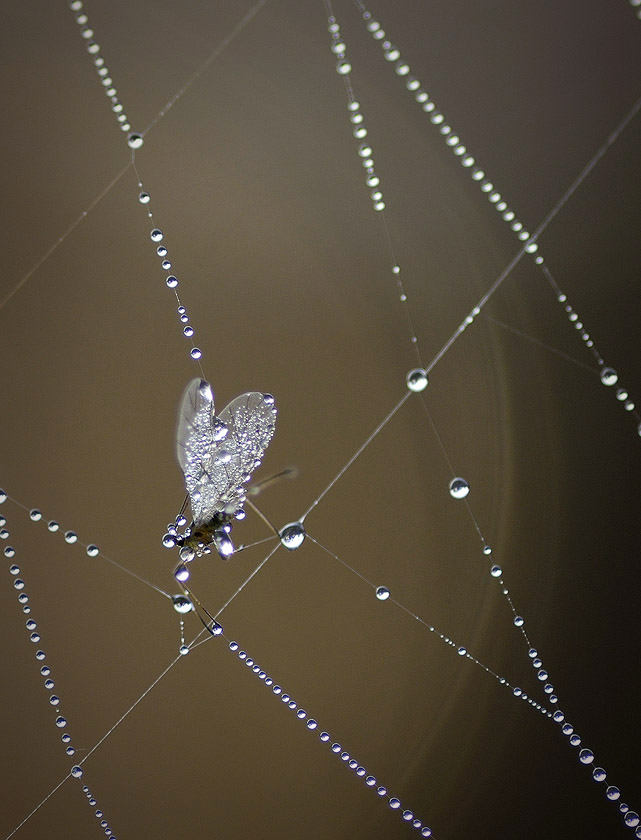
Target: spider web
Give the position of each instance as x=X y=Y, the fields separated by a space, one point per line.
x=256 y=184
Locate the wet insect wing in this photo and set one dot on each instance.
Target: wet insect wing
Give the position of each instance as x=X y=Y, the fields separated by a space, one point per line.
x=195 y=426
x=218 y=454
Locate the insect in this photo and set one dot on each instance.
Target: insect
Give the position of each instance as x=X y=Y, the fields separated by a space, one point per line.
x=217 y=454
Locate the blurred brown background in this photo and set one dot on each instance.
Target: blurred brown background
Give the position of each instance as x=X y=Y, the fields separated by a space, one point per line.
x=284 y=270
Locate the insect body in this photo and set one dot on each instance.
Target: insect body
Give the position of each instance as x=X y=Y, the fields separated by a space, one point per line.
x=217 y=454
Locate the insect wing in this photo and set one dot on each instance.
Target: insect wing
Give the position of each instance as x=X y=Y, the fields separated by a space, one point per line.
x=196 y=441
x=195 y=426
x=251 y=419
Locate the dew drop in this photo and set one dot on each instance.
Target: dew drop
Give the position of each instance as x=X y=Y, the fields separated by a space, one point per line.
x=586 y=756
x=182 y=604
x=9 y=551
x=459 y=488
x=53 y=526
x=134 y=140
x=518 y=621
x=76 y=771
x=183 y=650
x=195 y=353
x=35 y=515
x=61 y=722
x=609 y=376
x=156 y=235
x=168 y=541
x=93 y=550
x=598 y=774
x=292 y=536
x=188 y=331
x=172 y=282
x=417 y=379
x=631 y=819
x=71 y=537
x=613 y=792
x=181 y=573
x=382 y=593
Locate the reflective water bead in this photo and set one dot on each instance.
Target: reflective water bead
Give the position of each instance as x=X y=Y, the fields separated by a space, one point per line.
x=31 y=624
x=496 y=571
x=364 y=150
x=14 y=570
x=542 y=675
x=23 y=598
x=566 y=729
x=292 y=536
x=613 y=792
x=76 y=771
x=182 y=604
x=624 y=808
x=518 y=621
x=93 y=550
x=586 y=756
x=394 y=802
x=168 y=541
x=35 y=515
x=134 y=140
x=71 y=537
x=352 y=764
x=171 y=281
x=487 y=549
x=631 y=819
x=459 y=488
x=188 y=331
x=40 y=655
x=70 y=751
x=462 y=651
x=382 y=593
x=408 y=815
x=343 y=67
x=622 y=394
x=156 y=235
x=3 y=497
x=324 y=736
x=165 y=265
x=628 y=405
x=575 y=740
x=598 y=774
x=609 y=376
x=381 y=791
x=195 y=353
x=417 y=380
x=338 y=47
x=311 y=724
x=181 y=573
x=426 y=832
x=9 y=551
x=61 y=722
x=48 y=684
x=336 y=748
x=18 y=583
x=54 y=700
x=183 y=650
x=161 y=250
x=53 y=525
x=4 y=534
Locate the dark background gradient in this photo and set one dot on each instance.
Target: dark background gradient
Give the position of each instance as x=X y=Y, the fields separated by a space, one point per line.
x=285 y=272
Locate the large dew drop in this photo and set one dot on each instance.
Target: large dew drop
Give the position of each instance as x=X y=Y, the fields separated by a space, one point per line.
x=459 y=488
x=292 y=536
x=609 y=376
x=417 y=380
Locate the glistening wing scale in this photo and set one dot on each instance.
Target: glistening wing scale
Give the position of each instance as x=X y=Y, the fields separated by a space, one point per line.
x=218 y=454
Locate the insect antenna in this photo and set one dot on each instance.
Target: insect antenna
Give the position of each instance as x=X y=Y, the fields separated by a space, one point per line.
x=259 y=486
